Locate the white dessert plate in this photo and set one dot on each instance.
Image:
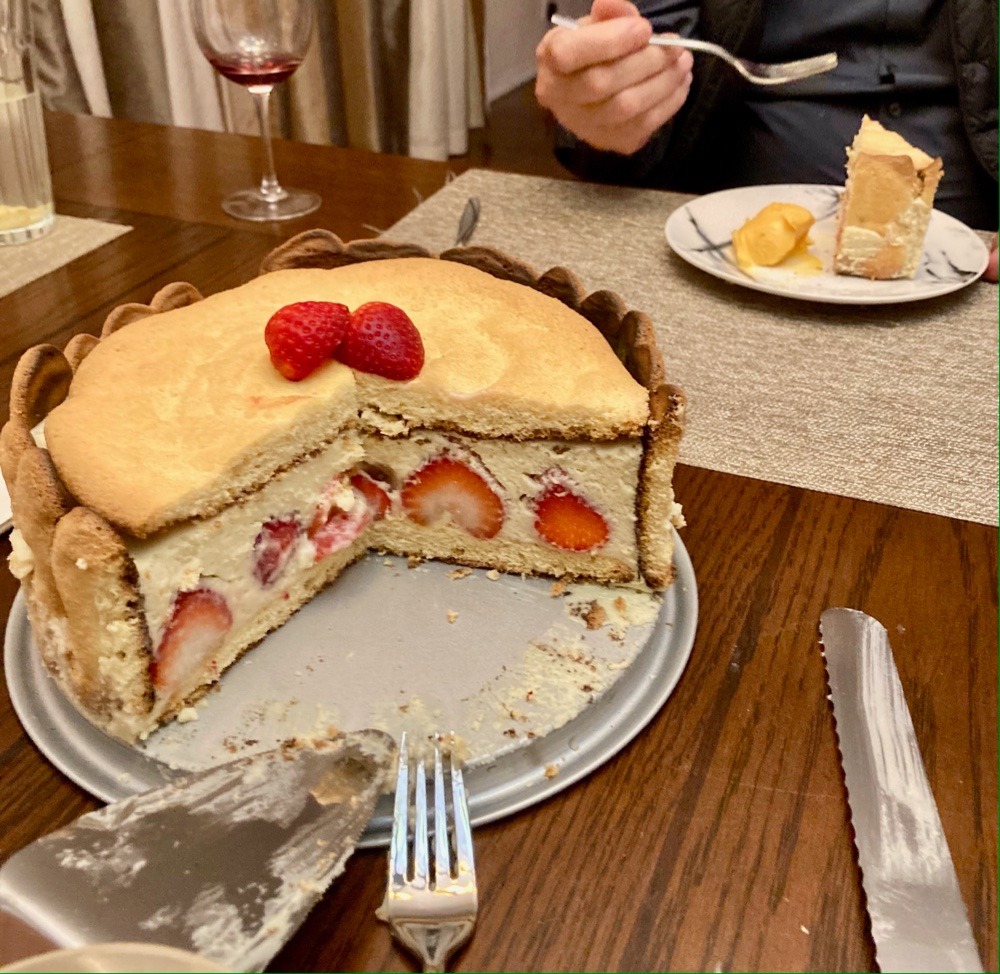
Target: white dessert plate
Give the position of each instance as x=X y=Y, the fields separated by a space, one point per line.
x=538 y=697
x=700 y=232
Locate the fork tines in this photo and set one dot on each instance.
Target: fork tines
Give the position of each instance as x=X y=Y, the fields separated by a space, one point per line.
x=431 y=911
x=450 y=811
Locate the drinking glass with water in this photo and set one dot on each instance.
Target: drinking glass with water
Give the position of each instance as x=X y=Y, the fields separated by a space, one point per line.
x=26 y=209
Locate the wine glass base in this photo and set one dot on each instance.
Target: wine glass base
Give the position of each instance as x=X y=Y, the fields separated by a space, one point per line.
x=249 y=204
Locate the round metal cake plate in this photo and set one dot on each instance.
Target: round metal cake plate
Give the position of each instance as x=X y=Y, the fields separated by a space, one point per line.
x=506 y=776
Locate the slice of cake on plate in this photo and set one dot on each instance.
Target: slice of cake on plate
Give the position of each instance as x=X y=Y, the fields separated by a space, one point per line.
x=886 y=205
x=176 y=497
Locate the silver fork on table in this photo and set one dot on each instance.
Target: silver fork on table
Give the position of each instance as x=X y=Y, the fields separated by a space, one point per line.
x=431 y=909
x=758 y=74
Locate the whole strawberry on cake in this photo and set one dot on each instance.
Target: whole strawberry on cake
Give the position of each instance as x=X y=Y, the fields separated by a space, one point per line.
x=182 y=485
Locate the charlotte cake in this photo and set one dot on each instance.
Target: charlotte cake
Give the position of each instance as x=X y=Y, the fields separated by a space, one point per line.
x=175 y=498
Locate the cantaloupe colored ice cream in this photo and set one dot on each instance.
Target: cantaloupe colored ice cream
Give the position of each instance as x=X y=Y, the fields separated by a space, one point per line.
x=773 y=235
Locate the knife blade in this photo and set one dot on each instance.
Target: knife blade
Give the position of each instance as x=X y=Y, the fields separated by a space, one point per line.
x=918 y=919
x=224 y=862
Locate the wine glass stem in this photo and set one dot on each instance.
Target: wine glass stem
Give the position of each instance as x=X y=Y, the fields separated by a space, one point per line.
x=270 y=188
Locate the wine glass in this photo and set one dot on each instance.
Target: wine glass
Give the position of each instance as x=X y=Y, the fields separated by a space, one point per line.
x=258 y=44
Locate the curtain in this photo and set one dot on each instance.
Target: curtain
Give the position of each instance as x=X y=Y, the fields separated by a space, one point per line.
x=397 y=76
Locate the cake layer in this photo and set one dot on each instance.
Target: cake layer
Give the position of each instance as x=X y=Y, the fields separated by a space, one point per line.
x=224 y=551
x=886 y=205
x=205 y=582
x=874 y=139
x=604 y=474
x=300 y=587
x=501 y=359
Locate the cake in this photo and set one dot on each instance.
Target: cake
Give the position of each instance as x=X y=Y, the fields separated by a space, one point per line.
x=886 y=205
x=175 y=498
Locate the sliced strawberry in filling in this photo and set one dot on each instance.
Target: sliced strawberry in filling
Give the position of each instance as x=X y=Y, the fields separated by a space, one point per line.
x=199 y=622
x=375 y=495
x=564 y=519
x=446 y=486
x=274 y=547
x=347 y=508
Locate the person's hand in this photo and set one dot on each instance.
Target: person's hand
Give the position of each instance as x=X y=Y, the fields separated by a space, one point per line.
x=605 y=84
x=990 y=274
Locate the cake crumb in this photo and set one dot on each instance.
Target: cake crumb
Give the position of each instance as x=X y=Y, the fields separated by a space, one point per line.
x=596 y=616
x=452 y=615
x=493 y=574
x=551 y=771
x=81 y=563
x=186 y=715
x=456 y=573
x=557 y=589
x=414 y=561
x=387 y=562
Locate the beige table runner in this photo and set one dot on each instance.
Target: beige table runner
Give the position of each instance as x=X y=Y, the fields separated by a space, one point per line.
x=895 y=404
x=69 y=238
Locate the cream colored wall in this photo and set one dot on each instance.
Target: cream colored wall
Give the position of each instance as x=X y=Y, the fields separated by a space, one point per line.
x=512 y=30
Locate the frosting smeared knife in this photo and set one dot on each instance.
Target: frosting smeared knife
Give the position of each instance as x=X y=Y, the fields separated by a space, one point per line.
x=919 y=922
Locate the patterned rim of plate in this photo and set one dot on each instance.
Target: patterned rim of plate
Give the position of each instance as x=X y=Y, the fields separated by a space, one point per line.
x=699 y=233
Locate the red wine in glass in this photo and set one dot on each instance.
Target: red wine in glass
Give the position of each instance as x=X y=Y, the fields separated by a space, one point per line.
x=270 y=71
x=258 y=44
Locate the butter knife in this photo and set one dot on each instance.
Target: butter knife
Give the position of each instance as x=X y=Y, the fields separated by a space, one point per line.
x=919 y=922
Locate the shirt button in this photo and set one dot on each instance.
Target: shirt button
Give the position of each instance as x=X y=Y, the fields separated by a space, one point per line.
x=895 y=109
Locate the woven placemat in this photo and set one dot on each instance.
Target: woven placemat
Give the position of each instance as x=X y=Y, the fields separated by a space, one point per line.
x=69 y=238
x=895 y=403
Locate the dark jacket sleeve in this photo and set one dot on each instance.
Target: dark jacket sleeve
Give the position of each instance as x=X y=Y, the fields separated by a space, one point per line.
x=974 y=40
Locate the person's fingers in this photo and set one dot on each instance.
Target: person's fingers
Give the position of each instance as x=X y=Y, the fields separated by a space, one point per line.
x=609 y=9
x=635 y=101
x=644 y=127
x=630 y=138
x=603 y=81
x=627 y=127
x=990 y=274
x=566 y=51
x=605 y=84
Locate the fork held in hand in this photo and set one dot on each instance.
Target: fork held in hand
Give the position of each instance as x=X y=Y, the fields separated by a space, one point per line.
x=432 y=912
x=758 y=74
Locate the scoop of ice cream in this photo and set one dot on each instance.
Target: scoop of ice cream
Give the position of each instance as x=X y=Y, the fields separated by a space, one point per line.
x=779 y=230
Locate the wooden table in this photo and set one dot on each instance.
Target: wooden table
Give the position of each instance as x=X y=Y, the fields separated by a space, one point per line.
x=719 y=839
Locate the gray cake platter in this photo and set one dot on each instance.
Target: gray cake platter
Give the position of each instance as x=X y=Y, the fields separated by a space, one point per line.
x=538 y=698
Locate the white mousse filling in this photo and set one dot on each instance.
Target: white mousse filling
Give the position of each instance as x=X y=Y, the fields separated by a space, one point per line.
x=222 y=553
x=605 y=474
x=860 y=245
x=219 y=552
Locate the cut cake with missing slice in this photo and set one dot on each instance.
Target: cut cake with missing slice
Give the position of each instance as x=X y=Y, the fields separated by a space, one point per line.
x=175 y=499
x=886 y=205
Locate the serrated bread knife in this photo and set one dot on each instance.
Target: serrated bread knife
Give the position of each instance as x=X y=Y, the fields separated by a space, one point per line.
x=225 y=862
x=919 y=922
